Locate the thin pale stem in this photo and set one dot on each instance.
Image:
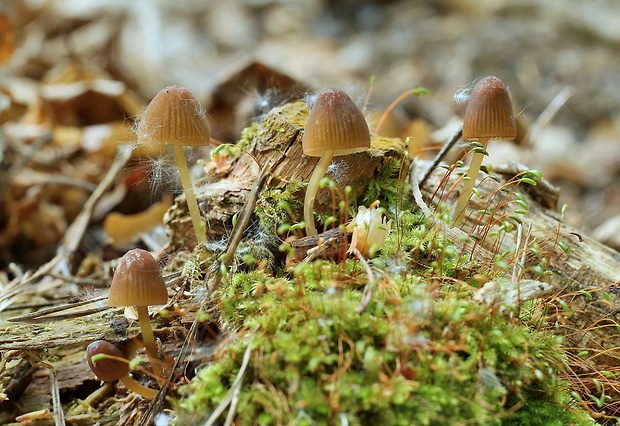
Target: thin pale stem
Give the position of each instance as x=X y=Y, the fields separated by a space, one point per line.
x=190 y=196
x=393 y=105
x=149 y=340
x=313 y=187
x=468 y=186
x=136 y=387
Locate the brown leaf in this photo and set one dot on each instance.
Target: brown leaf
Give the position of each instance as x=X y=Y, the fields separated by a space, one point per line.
x=7 y=38
x=240 y=97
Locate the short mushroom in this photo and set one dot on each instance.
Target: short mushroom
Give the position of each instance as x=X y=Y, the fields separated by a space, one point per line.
x=175 y=117
x=138 y=282
x=103 y=359
x=488 y=116
x=335 y=126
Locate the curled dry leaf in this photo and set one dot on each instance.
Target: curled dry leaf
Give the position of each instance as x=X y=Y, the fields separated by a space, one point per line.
x=121 y=229
x=7 y=38
x=79 y=93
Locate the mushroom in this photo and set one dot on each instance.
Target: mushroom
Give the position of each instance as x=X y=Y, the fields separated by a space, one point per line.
x=488 y=116
x=175 y=117
x=335 y=126
x=103 y=359
x=138 y=282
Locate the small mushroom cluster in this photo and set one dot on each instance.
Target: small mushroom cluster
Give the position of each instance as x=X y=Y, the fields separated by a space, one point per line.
x=335 y=126
x=137 y=282
x=174 y=117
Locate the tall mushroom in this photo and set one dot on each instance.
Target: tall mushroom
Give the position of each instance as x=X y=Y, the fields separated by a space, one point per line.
x=103 y=358
x=488 y=116
x=175 y=117
x=335 y=126
x=138 y=282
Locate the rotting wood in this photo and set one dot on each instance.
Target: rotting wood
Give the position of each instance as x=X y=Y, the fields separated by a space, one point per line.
x=277 y=141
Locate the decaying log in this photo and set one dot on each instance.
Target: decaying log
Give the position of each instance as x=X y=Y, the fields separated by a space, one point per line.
x=581 y=271
x=277 y=142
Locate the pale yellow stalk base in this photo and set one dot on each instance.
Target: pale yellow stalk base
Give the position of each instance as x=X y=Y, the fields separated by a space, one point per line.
x=149 y=341
x=468 y=186
x=313 y=187
x=136 y=387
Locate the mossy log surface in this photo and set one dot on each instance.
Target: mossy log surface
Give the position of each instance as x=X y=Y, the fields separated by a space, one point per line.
x=582 y=272
x=277 y=142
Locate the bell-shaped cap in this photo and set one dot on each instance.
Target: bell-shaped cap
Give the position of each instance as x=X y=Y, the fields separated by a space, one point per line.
x=106 y=369
x=137 y=281
x=335 y=123
x=489 y=113
x=174 y=117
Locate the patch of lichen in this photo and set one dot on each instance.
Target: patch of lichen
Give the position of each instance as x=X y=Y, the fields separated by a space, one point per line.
x=428 y=357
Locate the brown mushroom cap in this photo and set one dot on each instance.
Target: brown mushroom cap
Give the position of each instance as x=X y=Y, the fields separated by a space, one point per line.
x=106 y=369
x=335 y=123
x=174 y=117
x=137 y=281
x=489 y=113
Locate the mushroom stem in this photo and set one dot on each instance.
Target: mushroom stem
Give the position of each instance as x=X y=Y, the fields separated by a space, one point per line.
x=468 y=186
x=149 y=340
x=136 y=387
x=188 y=189
x=313 y=187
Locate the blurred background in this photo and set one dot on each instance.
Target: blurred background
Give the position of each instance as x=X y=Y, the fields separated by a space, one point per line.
x=556 y=56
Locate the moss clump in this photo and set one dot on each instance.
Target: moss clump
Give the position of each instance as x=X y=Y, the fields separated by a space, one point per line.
x=247 y=134
x=385 y=186
x=424 y=358
x=276 y=207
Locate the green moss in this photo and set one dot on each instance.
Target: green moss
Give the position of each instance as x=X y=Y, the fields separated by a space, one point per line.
x=414 y=247
x=247 y=135
x=386 y=187
x=330 y=345
x=427 y=359
x=276 y=207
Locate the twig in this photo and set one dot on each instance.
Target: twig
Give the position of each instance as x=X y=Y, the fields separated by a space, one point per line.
x=80 y=281
x=548 y=113
x=370 y=288
x=415 y=188
x=236 y=384
x=75 y=232
x=40 y=314
x=230 y=417
x=241 y=226
x=442 y=152
x=59 y=415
